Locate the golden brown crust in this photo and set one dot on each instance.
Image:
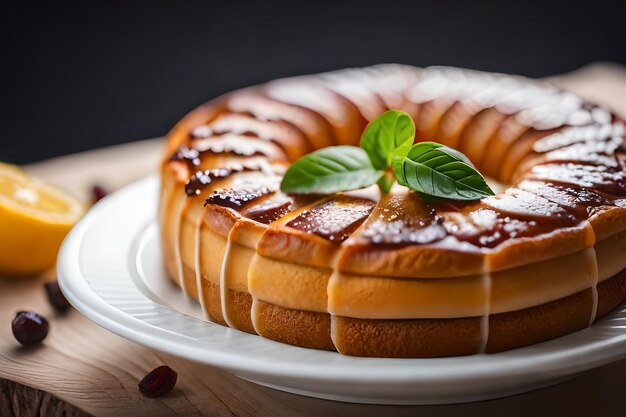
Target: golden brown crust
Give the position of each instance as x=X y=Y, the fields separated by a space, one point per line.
x=412 y=338
x=239 y=311
x=508 y=144
x=291 y=245
x=220 y=219
x=246 y=232
x=433 y=261
x=451 y=337
x=611 y=293
x=540 y=323
x=454 y=121
x=429 y=116
x=474 y=138
x=289 y=138
x=439 y=260
x=295 y=327
x=333 y=109
x=522 y=251
x=302 y=287
x=189 y=276
x=342 y=115
x=180 y=132
x=170 y=188
x=213 y=301
x=515 y=154
x=607 y=221
x=498 y=145
x=254 y=101
x=422 y=338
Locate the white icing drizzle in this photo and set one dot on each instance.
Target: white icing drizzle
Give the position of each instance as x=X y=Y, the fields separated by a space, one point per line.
x=224 y=284
x=484 y=320
x=254 y=315
x=333 y=331
x=334 y=276
x=333 y=327
x=197 y=269
x=594 y=288
x=177 y=253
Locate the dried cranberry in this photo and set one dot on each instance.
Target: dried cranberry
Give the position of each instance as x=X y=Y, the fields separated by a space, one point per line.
x=56 y=297
x=159 y=382
x=29 y=328
x=98 y=193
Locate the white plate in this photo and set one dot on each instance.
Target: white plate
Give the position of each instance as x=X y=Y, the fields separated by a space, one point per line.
x=110 y=269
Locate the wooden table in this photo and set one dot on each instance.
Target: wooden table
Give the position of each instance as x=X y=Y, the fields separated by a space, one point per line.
x=82 y=369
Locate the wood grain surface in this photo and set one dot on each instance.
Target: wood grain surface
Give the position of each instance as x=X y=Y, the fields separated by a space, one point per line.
x=82 y=369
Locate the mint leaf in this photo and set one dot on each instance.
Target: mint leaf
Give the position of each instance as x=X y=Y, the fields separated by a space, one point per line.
x=393 y=129
x=439 y=171
x=330 y=170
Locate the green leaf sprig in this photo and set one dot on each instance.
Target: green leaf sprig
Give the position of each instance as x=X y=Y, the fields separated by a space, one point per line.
x=330 y=170
x=387 y=154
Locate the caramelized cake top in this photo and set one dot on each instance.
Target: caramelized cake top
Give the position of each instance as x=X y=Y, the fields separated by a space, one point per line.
x=562 y=157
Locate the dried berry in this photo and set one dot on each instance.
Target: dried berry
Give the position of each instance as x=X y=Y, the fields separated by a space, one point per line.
x=56 y=297
x=159 y=382
x=29 y=328
x=98 y=193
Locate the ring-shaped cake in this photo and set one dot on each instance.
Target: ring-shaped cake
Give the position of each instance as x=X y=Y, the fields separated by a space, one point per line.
x=394 y=275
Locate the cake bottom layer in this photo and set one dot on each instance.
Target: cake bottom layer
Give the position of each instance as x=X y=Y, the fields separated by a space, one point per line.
x=412 y=338
x=422 y=338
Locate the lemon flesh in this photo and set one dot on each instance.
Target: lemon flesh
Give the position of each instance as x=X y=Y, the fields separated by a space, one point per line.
x=34 y=219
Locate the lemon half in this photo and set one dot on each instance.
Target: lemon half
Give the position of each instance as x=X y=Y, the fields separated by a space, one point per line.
x=34 y=219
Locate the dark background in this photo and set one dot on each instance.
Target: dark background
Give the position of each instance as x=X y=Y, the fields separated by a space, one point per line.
x=81 y=75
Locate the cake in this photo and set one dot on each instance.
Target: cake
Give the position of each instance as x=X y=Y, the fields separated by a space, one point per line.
x=395 y=275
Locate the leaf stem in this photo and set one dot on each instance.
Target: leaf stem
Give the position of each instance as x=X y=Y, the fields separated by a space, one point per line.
x=386 y=182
